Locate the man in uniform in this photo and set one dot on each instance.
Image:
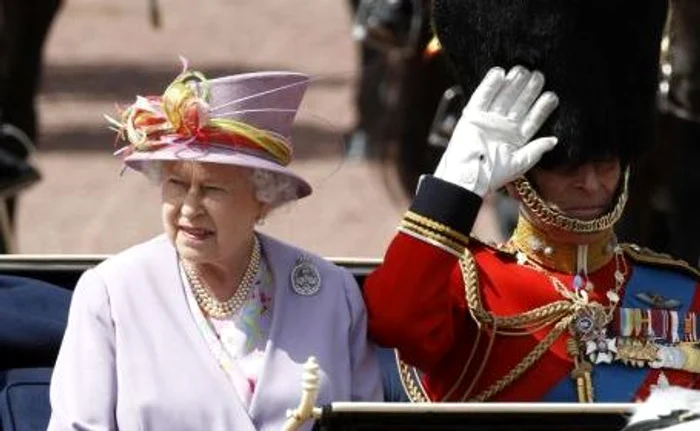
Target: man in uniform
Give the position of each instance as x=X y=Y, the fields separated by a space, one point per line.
x=562 y=311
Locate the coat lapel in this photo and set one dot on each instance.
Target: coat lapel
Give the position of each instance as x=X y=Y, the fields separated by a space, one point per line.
x=279 y=265
x=280 y=376
x=168 y=272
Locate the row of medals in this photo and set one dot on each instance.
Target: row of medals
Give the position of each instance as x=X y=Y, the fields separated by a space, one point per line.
x=589 y=344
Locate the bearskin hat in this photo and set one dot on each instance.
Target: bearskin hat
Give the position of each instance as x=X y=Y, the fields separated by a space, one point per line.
x=599 y=56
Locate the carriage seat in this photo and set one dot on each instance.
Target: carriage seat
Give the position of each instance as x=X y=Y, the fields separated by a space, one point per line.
x=24 y=399
x=33 y=316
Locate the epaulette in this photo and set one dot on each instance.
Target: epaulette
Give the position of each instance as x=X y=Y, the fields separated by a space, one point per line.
x=649 y=257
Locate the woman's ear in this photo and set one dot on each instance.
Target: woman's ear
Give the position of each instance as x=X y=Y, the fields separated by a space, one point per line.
x=265 y=209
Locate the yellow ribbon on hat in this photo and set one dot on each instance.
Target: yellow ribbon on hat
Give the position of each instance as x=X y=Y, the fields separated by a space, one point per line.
x=182 y=114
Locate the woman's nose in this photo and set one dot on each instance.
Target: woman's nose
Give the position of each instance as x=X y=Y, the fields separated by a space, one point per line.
x=192 y=204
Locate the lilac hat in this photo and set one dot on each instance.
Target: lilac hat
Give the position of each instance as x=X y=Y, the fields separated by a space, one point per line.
x=243 y=120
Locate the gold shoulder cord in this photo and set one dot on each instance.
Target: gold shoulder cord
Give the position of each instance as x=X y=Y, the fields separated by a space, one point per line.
x=410 y=381
x=521 y=324
x=561 y=312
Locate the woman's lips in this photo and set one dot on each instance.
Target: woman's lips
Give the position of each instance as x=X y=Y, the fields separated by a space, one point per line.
x=196 y=233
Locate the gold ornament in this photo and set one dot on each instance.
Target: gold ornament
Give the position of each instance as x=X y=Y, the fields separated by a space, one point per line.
x=636 y=352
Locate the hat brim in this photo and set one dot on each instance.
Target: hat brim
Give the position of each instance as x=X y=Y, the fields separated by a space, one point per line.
x=139 y=161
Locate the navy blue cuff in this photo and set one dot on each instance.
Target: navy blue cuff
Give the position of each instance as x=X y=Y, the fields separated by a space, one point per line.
x=447 y=204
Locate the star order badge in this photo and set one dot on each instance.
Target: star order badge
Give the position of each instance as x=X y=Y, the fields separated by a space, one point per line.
x=306 y=279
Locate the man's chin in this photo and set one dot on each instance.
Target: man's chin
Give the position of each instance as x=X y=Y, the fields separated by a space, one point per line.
x=585 y=213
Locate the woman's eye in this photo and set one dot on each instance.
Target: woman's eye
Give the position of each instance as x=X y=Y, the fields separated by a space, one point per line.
x=214 y=189
x=176 y=182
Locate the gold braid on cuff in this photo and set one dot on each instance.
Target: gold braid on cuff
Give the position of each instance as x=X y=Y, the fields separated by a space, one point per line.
x=552 y=218
x=433 y=232
x=437 y=227
x=431 y=236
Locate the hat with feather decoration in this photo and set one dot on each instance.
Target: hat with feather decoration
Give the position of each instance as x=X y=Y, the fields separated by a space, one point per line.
x=243 y=120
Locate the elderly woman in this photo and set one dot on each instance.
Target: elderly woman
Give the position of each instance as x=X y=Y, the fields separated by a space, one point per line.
x=208 y=326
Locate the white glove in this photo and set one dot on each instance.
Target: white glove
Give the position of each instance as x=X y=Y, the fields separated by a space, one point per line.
x=490 y=145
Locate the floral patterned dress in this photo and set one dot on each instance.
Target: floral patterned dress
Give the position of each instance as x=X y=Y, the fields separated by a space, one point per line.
x=238 y=341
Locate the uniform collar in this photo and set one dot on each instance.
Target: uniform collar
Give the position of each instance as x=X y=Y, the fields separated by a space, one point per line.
x=569 y=258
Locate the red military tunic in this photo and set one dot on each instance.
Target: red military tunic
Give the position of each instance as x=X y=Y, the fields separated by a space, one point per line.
x=418 y=303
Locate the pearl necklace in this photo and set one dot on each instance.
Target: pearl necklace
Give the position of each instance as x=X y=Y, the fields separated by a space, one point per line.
x=222 y=309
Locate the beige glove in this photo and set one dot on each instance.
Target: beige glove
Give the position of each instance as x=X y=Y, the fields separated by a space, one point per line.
x=491 y=146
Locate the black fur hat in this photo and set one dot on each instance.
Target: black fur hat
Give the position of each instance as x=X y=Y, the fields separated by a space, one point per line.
x=599 y=56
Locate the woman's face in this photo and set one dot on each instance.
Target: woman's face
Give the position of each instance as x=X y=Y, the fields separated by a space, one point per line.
x=209 y=210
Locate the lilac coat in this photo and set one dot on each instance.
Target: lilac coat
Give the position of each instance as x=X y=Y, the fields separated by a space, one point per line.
x=133 y=358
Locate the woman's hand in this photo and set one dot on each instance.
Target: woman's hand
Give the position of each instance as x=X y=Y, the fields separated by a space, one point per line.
x=491 y=145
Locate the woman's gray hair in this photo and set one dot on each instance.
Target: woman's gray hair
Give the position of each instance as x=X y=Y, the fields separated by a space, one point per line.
x=273 y=188
x=153 y=171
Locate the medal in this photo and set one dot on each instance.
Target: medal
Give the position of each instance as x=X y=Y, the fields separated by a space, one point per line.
x=636 y=352
x=602 y=350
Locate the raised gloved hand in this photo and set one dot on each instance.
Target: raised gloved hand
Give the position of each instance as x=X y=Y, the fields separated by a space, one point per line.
x=491 y=146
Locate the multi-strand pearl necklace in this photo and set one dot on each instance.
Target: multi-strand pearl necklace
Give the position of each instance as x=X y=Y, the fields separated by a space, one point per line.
x=222 y=309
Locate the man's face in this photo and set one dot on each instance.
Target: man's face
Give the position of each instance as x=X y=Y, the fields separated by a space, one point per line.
x=585 y=192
